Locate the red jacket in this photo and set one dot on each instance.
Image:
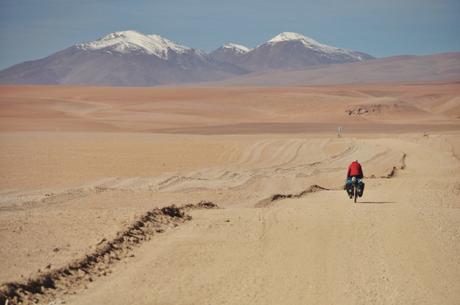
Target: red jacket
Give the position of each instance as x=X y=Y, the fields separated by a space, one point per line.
x=355 y=170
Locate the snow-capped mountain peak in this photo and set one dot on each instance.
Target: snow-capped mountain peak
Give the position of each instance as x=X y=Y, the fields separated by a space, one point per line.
x=236 y=47
x=288 y=36
x=132 y=41
x=310 y=43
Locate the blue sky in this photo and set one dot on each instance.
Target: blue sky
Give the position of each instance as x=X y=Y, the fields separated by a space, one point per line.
x=32 y=29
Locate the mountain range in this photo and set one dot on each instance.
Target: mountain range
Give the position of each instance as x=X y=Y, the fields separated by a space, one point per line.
x=130 y=58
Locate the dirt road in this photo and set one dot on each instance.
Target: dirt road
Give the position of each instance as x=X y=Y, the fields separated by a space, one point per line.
x=399 y=245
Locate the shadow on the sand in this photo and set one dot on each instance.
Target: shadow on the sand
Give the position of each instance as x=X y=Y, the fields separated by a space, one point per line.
x=376 y=202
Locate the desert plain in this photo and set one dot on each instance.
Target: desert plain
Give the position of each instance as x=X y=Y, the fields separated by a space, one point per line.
x=86 y=170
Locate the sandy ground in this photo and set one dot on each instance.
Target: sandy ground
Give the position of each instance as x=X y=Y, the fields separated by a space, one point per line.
x=227 y=110
x=73 y=177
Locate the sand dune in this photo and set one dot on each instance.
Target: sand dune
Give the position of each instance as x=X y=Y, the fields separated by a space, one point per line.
x=80 y=167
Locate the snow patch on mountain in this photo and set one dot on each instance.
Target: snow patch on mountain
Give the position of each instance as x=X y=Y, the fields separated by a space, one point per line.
x=236 y=47
x=287 y=36
x=132 y=41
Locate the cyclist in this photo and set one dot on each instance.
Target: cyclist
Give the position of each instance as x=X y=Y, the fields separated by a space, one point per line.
x=354 y=170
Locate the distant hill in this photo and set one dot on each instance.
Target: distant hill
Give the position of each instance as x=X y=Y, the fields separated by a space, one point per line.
x=438 y=67
x=229 y=53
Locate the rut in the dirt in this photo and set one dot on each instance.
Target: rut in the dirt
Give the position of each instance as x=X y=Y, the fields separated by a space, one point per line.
x=395 y=169
x=47 y=286
x=276 y=197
